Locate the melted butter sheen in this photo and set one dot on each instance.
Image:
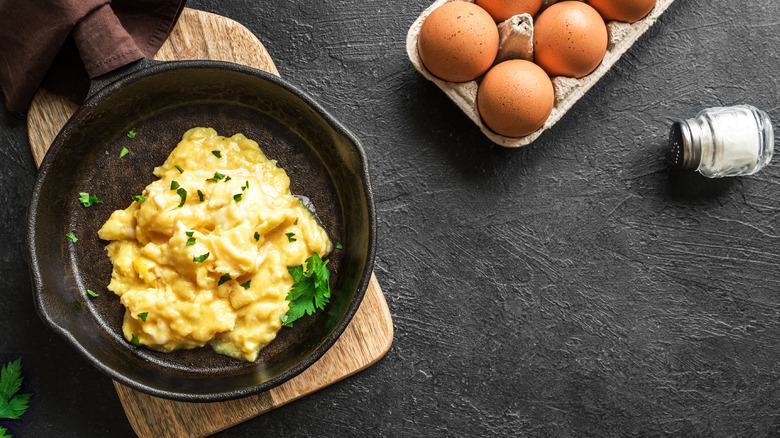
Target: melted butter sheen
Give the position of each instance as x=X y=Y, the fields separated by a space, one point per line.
x=154 y=271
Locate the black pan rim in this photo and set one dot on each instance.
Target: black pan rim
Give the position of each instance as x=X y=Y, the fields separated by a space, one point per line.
x=148 y=69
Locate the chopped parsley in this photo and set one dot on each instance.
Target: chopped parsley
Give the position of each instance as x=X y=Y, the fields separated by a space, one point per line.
x=246 y=284
x=87 y=200
x=106 y=152
x=217 y=154
x=92 y=294
x=143 y=316
x=338 y=246
x=178 y=168
x=200 y=195
x=244 y=187
x=217 y=176
x=256 y=236
x=225 y=277
x=135 y=341
x=131 y=134
x=291 y=237
x=191 y=240
x=72 y=237
x=311 y=290
x=139 y=198
x=174 y=185
x=200 y=258
x=123 y=152
x=12 y=405
x=237 y=197
x=183 y=195
x=227 y=178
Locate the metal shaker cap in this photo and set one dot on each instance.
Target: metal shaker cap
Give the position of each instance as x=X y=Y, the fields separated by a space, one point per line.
x=685 y=145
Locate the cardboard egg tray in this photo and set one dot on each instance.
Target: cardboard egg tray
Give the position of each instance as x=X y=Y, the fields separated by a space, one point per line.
x=567 y=90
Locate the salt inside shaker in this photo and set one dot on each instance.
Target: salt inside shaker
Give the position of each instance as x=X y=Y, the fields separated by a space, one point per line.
x=718 y=142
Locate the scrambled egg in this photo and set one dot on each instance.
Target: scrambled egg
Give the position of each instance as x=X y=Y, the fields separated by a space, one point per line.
x=203 y=256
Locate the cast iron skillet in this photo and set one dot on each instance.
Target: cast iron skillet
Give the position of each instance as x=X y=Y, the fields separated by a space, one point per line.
x=161 y=101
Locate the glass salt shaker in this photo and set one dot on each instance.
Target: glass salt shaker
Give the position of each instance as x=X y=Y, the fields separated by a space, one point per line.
x=730 y=141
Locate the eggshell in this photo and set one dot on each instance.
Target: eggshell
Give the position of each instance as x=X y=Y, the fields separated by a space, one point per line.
x=628 y=11
x=458 y=41
x=570 y=39
x=502 y=10
x=515 y=98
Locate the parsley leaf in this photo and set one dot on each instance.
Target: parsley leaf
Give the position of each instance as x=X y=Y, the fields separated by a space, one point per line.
x=87 y=200
x=246 y=284
x=237 y=197
x=217 y=154
x=124 y=152
x=143 y=316
x=311 y=290
x=135 y=341
x=106 y=152
x=191 y=241
x=217 y=176
x=2 y=433
x=183 y=195
x=178 y=168
x=200 y=195
x=256 y=236
x=131 y=134
x=139 y=198
x=12 y=405
x=201 y=258
x=92 y=294
x=72 y=237
x=338 y=246
x=227 y=178
x=245 y=186
x=291 y=237
x=174 y=185
x=225 y=277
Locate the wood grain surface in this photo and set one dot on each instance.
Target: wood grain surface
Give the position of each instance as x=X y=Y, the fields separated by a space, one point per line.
x=202 y=35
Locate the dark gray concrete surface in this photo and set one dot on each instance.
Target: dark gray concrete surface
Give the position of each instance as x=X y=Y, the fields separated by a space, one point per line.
x=573 y=287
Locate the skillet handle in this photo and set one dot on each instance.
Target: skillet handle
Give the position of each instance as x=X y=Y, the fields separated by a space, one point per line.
x=104 y=80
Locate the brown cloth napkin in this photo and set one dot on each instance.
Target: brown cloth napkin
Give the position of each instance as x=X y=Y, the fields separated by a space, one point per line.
x=61 y=44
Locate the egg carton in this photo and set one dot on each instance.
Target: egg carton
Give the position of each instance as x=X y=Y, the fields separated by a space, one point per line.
x=516 y=42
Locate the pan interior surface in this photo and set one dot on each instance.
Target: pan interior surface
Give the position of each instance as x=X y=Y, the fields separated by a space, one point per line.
x=324 y=162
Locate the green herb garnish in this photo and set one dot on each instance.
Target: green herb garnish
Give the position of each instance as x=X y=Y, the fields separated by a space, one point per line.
x=191 y=240
x=131 y=134
x=183 y=195
x=139 y=198
x=72 y=237
x=338 y=246
x=245 y=186
x=106 y=152
x=178 y=168
x=246 y=284
x=92 y=294
x=237 y=197
x=200 y=195
x=135 y=341
x=174 y=185
x=311 y=290
x=257 y=236
x=227 y=178
x=87 y=200
x=12 y=405
x=217 y=176
x=217 y=154
x=124 y=152
x=291 y=237
x=143 y=316
x=200 y=258
x=225 y=277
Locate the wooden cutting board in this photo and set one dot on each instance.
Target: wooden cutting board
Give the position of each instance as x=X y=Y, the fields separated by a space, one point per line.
x=201 y=35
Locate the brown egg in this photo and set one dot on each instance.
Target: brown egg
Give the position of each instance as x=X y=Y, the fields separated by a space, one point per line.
x=515 y=98
x=570 y=39
x=623 y=10
x=502 y=10
x=458 y=41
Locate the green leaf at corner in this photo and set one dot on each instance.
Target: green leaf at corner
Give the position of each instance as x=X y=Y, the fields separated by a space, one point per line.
x=12 y=405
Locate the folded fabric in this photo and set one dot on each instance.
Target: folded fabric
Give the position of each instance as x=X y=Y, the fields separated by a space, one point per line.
x=61 y=44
